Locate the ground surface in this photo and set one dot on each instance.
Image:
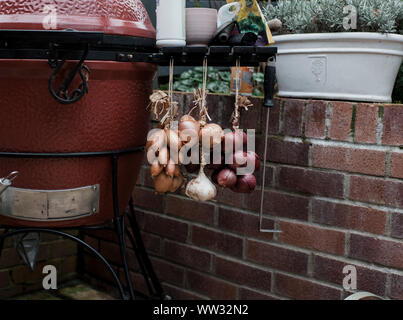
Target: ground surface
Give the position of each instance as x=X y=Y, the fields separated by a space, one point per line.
x=75 y=290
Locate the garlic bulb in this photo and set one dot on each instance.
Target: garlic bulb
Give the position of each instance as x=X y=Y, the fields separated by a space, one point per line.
x=201 y=188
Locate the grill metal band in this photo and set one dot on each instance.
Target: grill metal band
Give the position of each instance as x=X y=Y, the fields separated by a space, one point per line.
x=45 y=205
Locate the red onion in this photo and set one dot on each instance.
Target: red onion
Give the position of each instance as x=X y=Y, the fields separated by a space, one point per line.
x=239 y=159
x=252 y=156
x=226 y=178
x=245 y=184
x=236 y=139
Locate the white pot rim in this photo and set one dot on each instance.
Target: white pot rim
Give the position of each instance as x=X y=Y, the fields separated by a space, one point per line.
x=339 y=36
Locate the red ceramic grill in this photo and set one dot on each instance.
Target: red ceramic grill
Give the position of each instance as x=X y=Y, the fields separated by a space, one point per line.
x=62 y=137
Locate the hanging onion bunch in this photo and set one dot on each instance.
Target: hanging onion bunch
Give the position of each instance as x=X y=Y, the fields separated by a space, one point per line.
x=164 y=144
x=209 y=135
x=161 y=152
x=225 y=175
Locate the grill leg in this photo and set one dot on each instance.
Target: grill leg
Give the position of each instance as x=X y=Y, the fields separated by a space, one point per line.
x=119 y=227
x=147 y=268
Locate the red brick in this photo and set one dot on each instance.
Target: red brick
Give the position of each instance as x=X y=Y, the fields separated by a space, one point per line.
x=349 y=217
x=62 y=248
x=168 y=272
x=376 y=191
x=217 y=241
x=148 y=180
x=396 y=287
x=277 y=257
x=180 y=293
x=151 y=242
x=9 y=257
x=111 y=252
x=288 y=152
x=300 y=289
x=23 y=274
x=268 y=178
x=383 y=252
x=243 y=274
x=211 y=287
x=147 y=199
x=280 y=204
x=190 y=210
x=274 y=120
x=396 y=165
x=393 y=125
x=397 y=225
x=105 y=234
x=188 y=256
x=315 y=126
x=138 y=282
x=248 y=118
x=311 y=182
x=246 y=294
x=366 y=123
x=166 y=227
x=225 y=195
x=243 y=224
x=293 y=110
x=4 y=279
x=349 y=159
x=312 y=237
x=331 y=270
x=340 y=125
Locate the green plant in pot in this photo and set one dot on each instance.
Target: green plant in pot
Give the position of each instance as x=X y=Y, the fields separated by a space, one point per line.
x=338 y=49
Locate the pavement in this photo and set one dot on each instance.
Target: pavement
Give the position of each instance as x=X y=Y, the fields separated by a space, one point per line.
x=75 y=290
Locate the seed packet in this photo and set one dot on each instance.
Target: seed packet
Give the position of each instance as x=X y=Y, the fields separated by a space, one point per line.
x=251 y=19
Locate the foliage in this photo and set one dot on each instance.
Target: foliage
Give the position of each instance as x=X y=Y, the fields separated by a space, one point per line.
x=218 y=81
x=311 y=16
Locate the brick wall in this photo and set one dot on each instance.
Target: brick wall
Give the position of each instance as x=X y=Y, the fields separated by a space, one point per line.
x=17 y=278
x=334 y=187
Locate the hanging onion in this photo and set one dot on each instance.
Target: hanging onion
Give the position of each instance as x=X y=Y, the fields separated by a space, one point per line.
x=189 y=129
x=226 y=178
x=163 y=156
x=156 y=168
x=157 y=140
x=173 y=139
x=162 y=183
x=211 y=135
x=176 y=183
x=233 y=140
x=245 y=184
x=170 y=168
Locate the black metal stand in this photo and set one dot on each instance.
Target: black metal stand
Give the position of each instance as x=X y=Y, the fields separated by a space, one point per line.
x=118 y=225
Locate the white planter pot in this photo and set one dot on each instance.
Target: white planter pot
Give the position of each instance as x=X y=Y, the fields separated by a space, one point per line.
x=342 y=66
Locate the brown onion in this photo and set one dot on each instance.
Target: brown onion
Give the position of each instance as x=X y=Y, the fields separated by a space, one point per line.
x=163 y=183
x=226 y=178
x=245 y=184
x=157 y=140
x=189 y=129
x=211 y=135
x=156 y=168
x=176 y=183
x=163 y=156
x=173 y=140
x=177 y=171
x=170 y=168
x=233 y=140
